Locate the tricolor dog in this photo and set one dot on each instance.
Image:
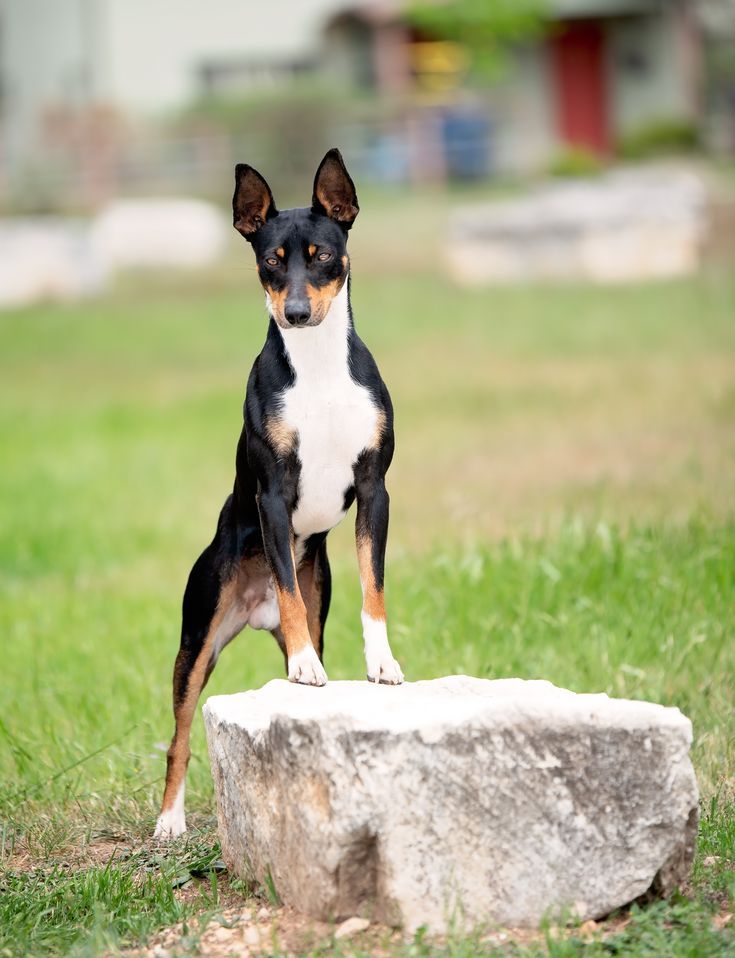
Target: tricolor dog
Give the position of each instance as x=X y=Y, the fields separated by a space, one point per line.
x=317 y=435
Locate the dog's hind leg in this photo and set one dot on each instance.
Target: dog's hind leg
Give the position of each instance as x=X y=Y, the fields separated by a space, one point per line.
x=212 y=615
x=279 y=637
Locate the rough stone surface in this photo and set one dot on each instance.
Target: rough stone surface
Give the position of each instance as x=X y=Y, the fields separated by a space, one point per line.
x=458 y=800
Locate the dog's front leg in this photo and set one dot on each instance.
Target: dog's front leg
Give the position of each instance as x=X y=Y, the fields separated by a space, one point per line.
x=303 y=662
x=371 y=533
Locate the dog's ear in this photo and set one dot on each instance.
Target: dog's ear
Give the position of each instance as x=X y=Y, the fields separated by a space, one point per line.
x=252 y=202
x=334 y=191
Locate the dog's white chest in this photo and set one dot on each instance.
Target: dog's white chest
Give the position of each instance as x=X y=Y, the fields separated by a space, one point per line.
x=334 y=419
x=334 y=422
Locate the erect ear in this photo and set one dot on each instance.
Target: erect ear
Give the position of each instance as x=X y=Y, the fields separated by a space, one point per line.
x=252 y=202
x=334 y=191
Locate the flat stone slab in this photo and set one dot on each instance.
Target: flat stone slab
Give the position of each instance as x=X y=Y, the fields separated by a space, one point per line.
x=455 y=801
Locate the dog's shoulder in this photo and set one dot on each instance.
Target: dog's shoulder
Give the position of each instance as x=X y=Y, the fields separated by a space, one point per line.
x=270 y=375
x=364 y=370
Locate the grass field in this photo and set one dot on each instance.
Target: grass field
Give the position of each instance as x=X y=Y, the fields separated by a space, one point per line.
x=562 y=508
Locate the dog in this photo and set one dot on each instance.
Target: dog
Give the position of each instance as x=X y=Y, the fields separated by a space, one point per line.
x=317 y=436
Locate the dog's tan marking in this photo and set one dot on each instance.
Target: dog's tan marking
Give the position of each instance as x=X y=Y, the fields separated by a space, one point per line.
x=280 y=435
x=320 y=297
x=179 y=753
x=294 y=624
x=178 y=756
x=380 y=423
x=280 y=252
x=373 y=599
x=309 y=578
x=381 y=666
x=312 y=249
x=278 y=304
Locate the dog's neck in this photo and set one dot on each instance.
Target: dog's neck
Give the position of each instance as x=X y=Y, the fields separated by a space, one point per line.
x=321 y=351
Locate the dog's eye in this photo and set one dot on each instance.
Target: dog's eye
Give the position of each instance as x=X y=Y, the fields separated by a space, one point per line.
x=271 y=261
x=323 y=257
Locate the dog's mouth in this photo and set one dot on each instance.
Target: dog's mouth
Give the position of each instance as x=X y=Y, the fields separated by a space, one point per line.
x=284 y=323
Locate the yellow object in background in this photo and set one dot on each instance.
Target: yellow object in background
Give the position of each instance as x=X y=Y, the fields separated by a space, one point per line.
x=439 y=64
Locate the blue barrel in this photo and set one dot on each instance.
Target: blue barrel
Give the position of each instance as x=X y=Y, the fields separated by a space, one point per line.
x=467 y=139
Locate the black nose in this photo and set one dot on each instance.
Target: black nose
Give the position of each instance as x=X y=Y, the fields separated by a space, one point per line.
x=298 y=313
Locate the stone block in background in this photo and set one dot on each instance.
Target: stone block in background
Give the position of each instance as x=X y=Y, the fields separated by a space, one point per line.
x=624 y=227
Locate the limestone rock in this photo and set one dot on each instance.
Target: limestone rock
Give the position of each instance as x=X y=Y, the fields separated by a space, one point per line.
x=623 y=227
x=458 y=800
x=351 y=927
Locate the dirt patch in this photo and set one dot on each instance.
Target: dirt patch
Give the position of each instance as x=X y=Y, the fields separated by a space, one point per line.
x=251 y=927
x=256 y=928
x=261 y=929
x=74 y=857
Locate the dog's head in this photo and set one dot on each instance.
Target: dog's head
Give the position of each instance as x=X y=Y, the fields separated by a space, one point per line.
x=301 y=254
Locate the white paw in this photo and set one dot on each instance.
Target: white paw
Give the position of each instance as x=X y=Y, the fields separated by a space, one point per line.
x=170 y=824
x=305 y=668
x=172 y=821
x=385 y=670
x=381 y=666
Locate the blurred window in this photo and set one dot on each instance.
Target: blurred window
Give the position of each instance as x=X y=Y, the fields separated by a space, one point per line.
x=634 y=62
x=232 y=77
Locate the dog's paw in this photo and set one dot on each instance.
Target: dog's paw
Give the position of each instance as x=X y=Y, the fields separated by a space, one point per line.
x=305 y=668
x=381 y=666
x=172 y=820
x=384 y=670
x=170 y=824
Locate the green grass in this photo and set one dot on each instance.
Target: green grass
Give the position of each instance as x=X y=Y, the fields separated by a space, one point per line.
x=90 y=911
x=562 y=508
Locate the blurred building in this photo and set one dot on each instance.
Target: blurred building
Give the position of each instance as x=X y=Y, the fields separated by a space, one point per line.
x=602 y=70
x=88 y=89
x=616 y=65
x=74 y=74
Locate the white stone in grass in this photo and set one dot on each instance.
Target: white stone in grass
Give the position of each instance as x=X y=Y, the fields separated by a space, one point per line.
x=351 y=927
x=251 y=937
x=453 y=802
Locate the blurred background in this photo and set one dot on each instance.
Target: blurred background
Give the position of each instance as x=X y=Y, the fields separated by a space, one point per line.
x=114 y=113
x=107 y=98
x=542 y=267
x=110 y=107
x=546 y=176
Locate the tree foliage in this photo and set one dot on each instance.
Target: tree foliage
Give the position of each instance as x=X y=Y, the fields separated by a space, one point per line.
x=483 y=27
